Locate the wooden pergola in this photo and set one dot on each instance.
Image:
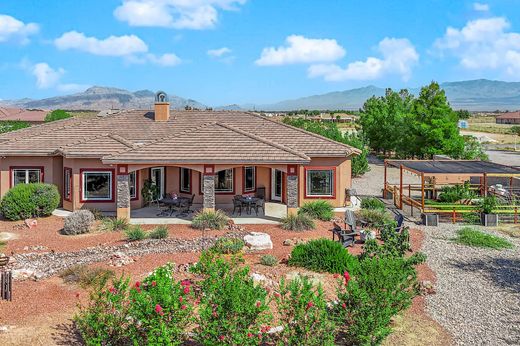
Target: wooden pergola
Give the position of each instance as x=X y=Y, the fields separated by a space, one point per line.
x=450 y=171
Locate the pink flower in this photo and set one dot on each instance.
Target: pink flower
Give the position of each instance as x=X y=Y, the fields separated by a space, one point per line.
x=112 y=290
x=159 y=310
x=214 y=313
x=186 y=290
x=309 y=305
x=183 y=307
x=344 y=306
x=197 y=301
x=336 y=276
x=222 y=337
x=154 y=283
x=180 y=299
x=277 y=295
x=137 y=284
x=138 y=290
x=185 y=282
x=249 y=335
x=258 y=304
x=346 y=275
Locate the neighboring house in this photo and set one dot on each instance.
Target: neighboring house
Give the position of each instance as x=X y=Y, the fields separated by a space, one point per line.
x=30 y=115
x=509 y=118
x=103 y=161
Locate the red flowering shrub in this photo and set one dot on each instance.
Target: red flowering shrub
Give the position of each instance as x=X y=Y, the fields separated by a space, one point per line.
x=233 y=310
x=304 y=315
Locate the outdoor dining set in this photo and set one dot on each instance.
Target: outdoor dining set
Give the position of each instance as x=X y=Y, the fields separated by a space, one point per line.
x=173 y=203
x=248 y=203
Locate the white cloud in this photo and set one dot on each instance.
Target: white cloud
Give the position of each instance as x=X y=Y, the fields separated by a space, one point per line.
x=219 y=52
x=111 y=46
x=398 y=57
x=480 y=7
x=300 y=49
x=178 y=14
x=16 y=30
x=168 y=59
x=72 y=87
x=483 y=44
x=46 y=76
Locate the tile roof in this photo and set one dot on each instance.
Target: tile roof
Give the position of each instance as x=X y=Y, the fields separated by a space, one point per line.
x=194 y=136
x=30 y=115
x=509 y=115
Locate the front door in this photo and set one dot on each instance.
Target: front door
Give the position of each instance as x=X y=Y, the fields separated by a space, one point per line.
x=276 y=185
x=157 y=178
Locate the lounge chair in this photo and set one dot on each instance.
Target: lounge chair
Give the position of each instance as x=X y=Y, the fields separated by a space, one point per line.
x=351 y=222
x=346 y=237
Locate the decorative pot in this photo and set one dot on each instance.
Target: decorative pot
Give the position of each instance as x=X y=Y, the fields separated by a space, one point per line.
x=489 y=220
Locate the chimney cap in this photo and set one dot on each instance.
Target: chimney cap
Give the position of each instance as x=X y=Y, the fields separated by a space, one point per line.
x=161 y=96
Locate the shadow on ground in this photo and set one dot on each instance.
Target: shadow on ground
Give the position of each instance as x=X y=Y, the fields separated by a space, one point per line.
x=67 y=334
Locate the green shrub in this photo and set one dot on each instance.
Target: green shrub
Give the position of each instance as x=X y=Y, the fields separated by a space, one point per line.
x=321 y=210
x=472 y=237
x=135 y=233
x=85 y=276
x=297 y=222
x=372 y=203
x=304 y=315
x=269 y=260
x=110 y=224
x=80 y=221
x=30 y=200
x=471 y=218
x=452 y=194
x=233 y=310
x=210 y=219
x=57 y=114
x=369 y=296
x=12 y=125
x=159 y=232
x=376 y=217
x=487 y=204
x=155 y=312
x=228 y=245
x=322 y=255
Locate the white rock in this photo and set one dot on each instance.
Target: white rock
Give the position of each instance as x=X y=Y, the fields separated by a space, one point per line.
x=258 y=277
x=24 y=274
x=258 y=241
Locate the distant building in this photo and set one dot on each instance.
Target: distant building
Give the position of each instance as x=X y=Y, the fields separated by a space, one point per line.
x=29 y=115
x=509 y=118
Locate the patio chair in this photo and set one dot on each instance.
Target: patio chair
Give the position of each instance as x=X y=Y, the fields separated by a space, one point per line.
x=257 y=205
x=237 y=205
x=260 y=192
x=345 y=237
x=185 y=206
x=351 y=222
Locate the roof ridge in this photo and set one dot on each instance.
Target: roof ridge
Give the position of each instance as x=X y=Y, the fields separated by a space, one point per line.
x=352 y=149
x=264 y=140
x=122 y=140
x=63 y=148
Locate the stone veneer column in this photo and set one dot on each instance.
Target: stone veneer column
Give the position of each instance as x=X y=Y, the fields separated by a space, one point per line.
x=208 y=184
x=123 y=196
x=292 y=189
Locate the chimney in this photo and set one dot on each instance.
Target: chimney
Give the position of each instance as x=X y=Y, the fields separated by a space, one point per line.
x=162 y=107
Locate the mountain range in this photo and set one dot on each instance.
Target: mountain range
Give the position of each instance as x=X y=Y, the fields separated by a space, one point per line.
x=473 y=95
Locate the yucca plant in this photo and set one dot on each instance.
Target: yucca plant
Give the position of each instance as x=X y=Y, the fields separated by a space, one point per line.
x=297 y=222
x=321 y=210
x=209 y=219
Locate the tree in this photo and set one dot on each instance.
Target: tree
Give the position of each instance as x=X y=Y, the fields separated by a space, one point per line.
x=515 y=130
x=463 y=114
x=12 y=125
x=57 y=114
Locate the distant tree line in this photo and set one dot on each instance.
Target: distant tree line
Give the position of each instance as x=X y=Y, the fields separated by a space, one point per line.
x=331 y=130
x=405 y=126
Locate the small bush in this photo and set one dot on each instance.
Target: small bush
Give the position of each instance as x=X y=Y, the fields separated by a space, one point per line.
x=135 y=233
x=78 y=222
x=472 y=237
x=109 y=224
x=85 y=276
x=297 y=222
x=376 y=217
x=30 y=200
x=322 y=255
x=371 y=295
x=321 y=210
x=210 y=219
x=57 y=114
x=488 y=204
x=269 y=260
x=452 y=194
x=98 y=214
x=159 y=232
x=471 y=218
x=372 y=203
x=228 y=245
x=304 y=315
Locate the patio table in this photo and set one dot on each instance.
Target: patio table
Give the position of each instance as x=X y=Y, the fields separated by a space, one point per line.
x=172 y=202
x=249 y=201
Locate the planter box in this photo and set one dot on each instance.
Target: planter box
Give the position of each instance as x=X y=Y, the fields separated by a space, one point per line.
x=430 y=219
x=489 y=220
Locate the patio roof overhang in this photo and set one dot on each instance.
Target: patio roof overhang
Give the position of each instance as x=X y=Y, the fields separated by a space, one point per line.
x=432 y=168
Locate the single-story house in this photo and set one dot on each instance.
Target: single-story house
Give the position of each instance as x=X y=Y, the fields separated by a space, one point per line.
x=104 y=162
x=509 y=118
x=34 y=116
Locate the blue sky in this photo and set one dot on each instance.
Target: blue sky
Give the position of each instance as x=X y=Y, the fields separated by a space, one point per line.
x=239 y=51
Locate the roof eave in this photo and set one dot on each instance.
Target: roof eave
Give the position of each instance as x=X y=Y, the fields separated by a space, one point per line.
x=203 y=161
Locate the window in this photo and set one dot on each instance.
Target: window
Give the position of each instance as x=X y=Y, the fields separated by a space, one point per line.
x=67 y=184
x=249 y=179
x=26 y=175
x=185 y=177
x=97 y=185
x=132 y=184
x=319 y=182
x=224 y=181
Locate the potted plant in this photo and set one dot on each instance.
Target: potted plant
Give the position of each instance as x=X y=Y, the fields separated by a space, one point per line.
x=150 y=191
x=486 y=207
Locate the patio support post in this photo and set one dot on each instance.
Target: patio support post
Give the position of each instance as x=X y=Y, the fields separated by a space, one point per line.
x=422 y=191
x=384 y=183
x=401 y=187
x=123 y=193
x=485 y=185
x=208 y=187
x=292 y=189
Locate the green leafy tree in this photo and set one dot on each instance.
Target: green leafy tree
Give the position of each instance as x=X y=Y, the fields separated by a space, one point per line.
x=463 y=114
x=12 y=125
x=57 y=114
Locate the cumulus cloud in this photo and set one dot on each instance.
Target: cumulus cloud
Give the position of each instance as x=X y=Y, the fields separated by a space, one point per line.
x=300 y=49
x=12 y=29
x=398 y=57
x=46 y=76
x=168 y=59
x=178 y=14
x=111 y=46
x=482 y=44
x=480 y=7
x=219 y=52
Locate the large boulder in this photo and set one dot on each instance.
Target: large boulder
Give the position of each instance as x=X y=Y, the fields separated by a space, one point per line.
x=258 y=241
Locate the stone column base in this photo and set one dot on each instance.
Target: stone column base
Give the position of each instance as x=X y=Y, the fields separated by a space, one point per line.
x=292 y=211
x=123 y=213
x=208 y=209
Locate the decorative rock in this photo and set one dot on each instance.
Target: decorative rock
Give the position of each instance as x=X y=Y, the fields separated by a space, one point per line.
x=25 y=274
x=426 y=287
x=258 y=277
x=258 y=241
x=31 y=223
x=119 y=259
x=293 y=242
x=4 y=329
